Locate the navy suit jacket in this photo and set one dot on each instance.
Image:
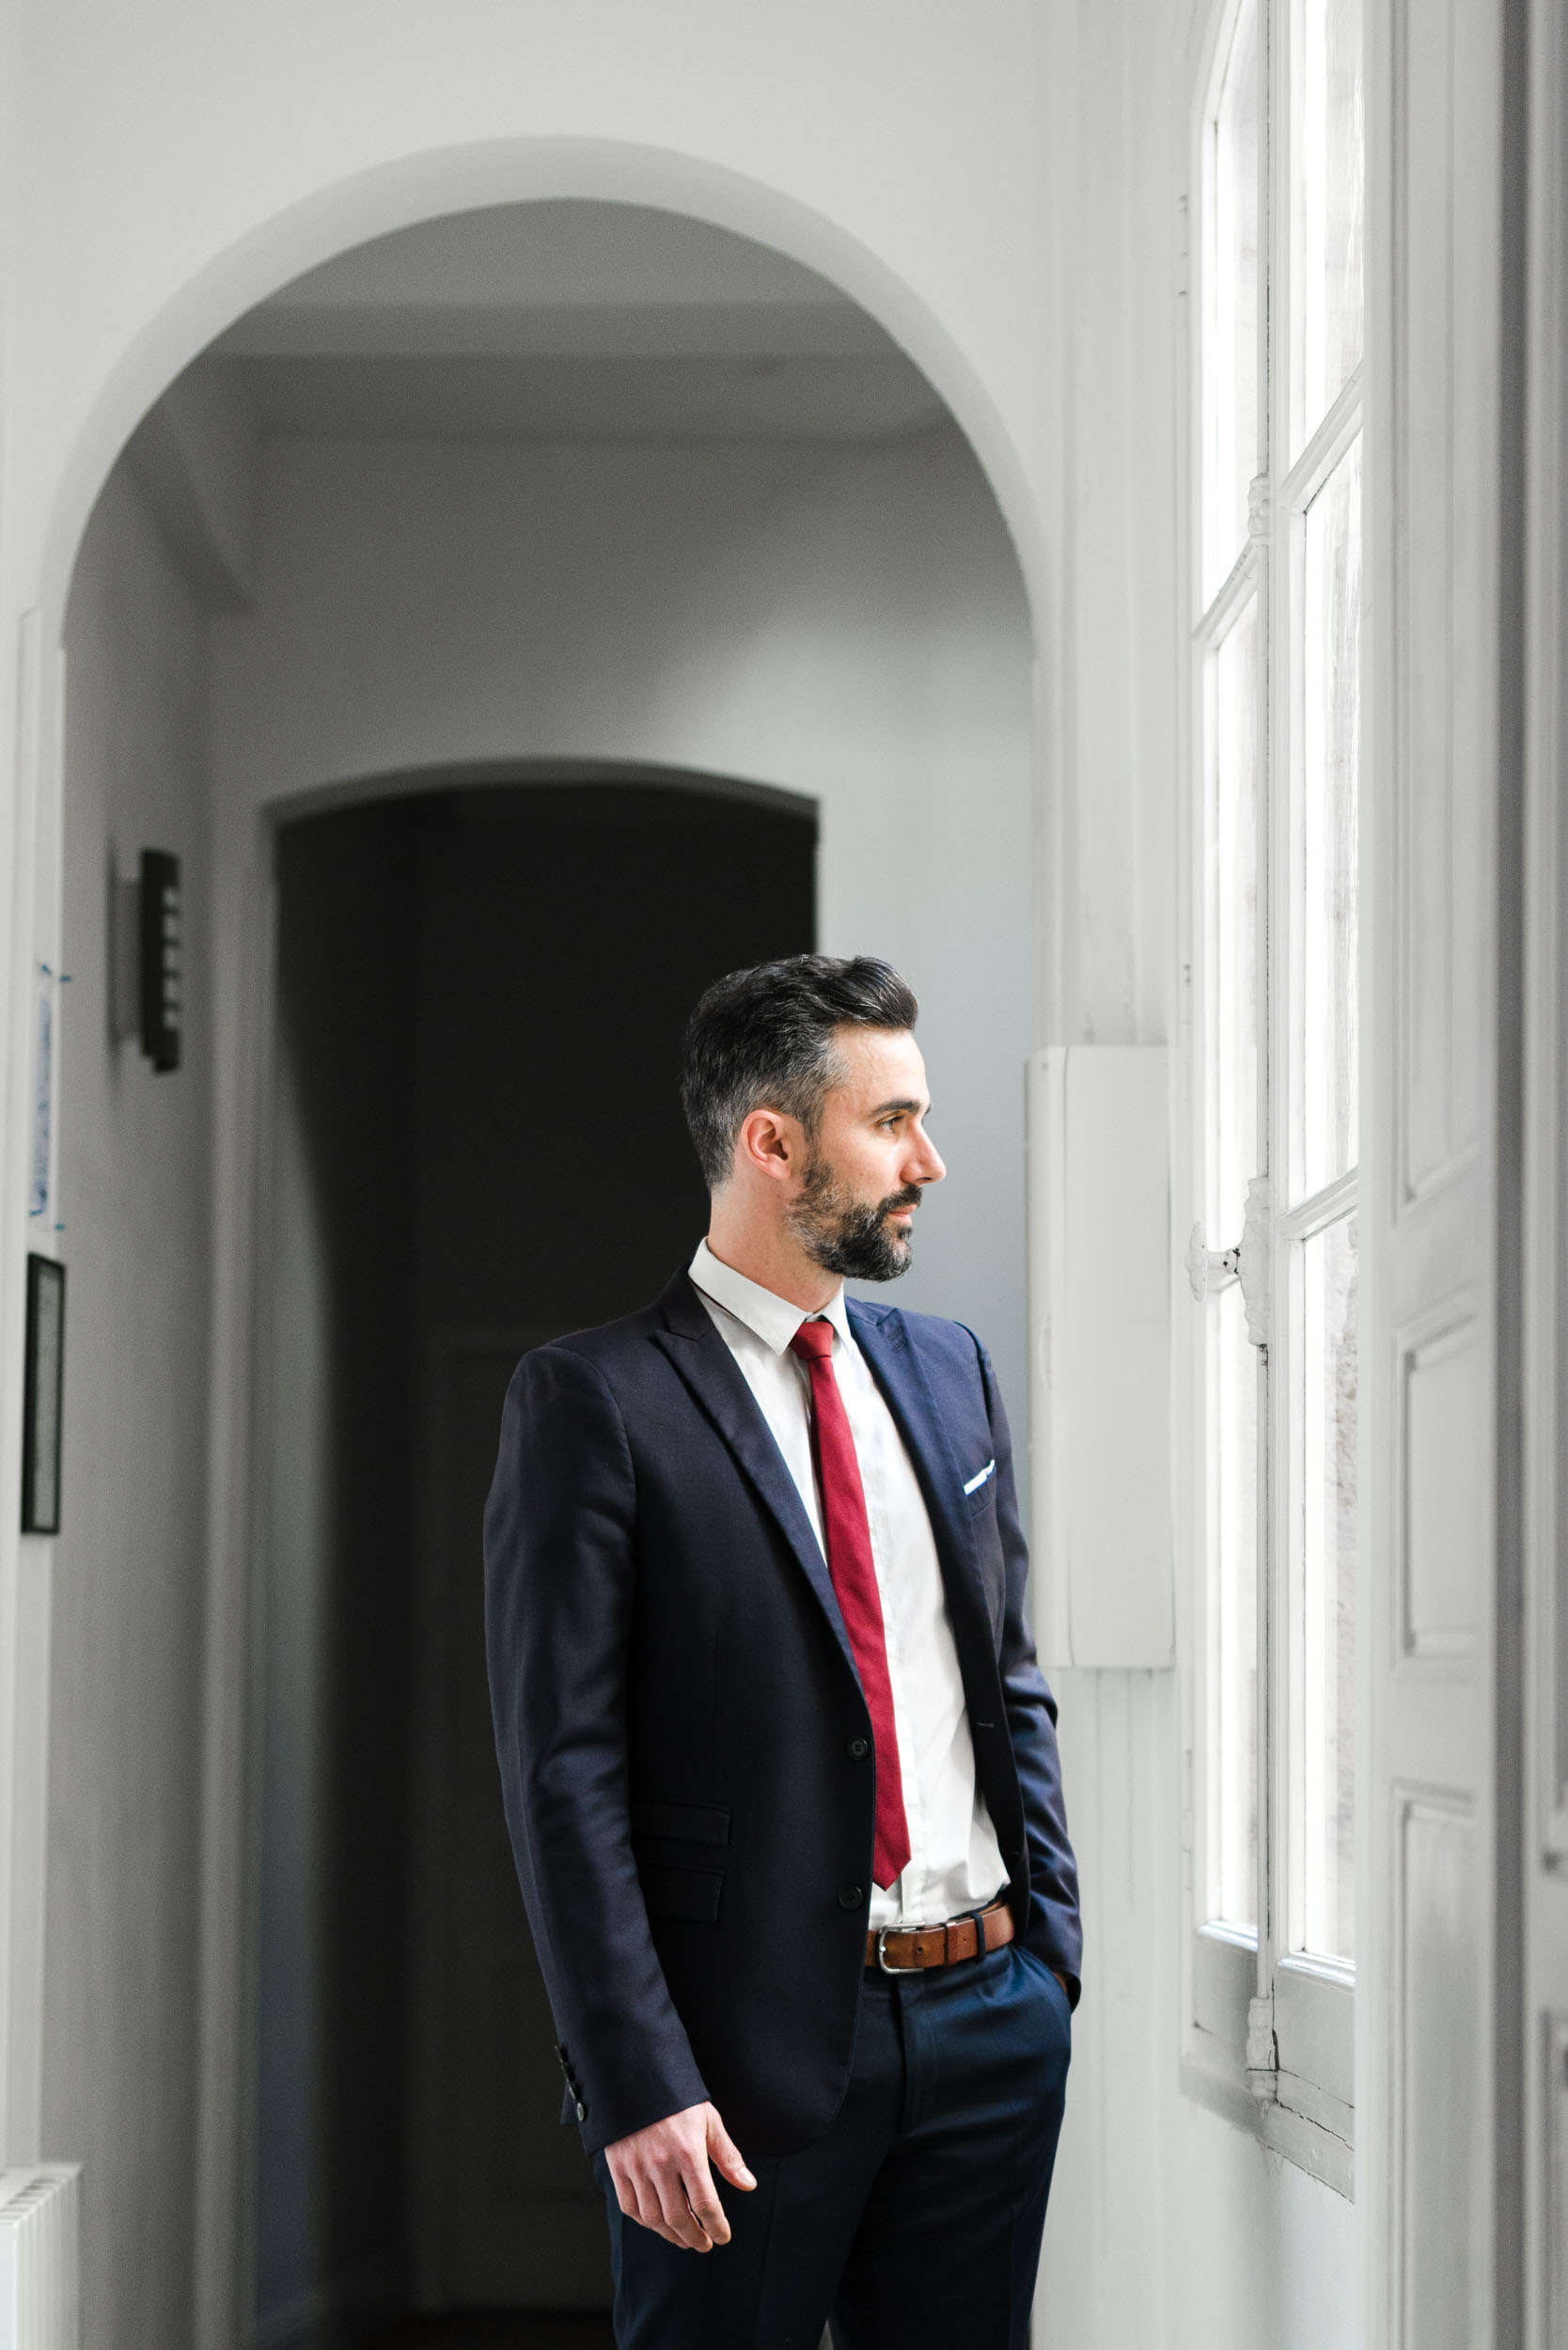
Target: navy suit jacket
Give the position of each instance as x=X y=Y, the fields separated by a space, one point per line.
x=682 y=1733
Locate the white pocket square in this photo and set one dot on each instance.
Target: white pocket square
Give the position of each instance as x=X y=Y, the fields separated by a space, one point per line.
x=976 y=1483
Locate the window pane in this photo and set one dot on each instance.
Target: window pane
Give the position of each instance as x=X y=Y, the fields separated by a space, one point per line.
x=1323 y=1840
x=1233 y=1027
x=1329 y=180
x=1232 y=1009
x=1231 y=355
x=1331 y=738
x=1231 y=1730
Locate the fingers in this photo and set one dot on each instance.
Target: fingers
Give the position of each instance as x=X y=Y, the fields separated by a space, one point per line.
x=632 y=2202
x=674 y=2221
x=700 y=2196
x=638 y=2196
x=663 y=2182
x=634 y=2187
x=726 y=2155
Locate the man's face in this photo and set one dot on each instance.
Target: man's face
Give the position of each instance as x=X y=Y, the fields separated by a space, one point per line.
x=855 y=1207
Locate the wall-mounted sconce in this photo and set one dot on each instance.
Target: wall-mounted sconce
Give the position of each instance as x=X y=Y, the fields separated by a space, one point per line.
x=150 y=958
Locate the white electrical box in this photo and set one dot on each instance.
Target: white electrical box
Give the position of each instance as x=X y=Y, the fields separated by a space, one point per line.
x=1099 y=1251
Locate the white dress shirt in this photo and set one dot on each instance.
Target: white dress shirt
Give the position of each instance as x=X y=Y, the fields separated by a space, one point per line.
x=955 y=1862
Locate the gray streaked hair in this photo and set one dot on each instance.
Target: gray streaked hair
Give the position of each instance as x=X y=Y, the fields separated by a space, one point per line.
x=763 y=1039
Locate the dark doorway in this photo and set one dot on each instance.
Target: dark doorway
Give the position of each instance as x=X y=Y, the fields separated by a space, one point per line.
x=477 y=1146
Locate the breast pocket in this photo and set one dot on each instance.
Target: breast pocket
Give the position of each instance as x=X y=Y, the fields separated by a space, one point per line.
x=679 y=1851
x=979 y=1491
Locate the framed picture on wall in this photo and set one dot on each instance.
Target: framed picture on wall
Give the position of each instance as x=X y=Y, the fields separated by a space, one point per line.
x=42 y=1390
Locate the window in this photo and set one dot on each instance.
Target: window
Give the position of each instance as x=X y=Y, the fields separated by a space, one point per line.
x=1270 y=964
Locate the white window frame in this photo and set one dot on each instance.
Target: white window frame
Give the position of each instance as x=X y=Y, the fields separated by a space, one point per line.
x=1266 y=2035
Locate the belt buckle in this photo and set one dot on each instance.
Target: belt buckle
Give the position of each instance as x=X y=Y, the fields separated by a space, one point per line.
x=883 y=1931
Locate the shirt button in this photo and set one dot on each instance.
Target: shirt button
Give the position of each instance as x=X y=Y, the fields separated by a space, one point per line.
x=851 y=1898
x=858 y=1749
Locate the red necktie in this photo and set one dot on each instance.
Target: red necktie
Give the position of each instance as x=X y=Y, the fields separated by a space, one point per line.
x=849 y=1563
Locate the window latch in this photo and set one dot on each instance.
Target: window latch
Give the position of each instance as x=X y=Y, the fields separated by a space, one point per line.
x=1209 y=1268
x=1248 y=1262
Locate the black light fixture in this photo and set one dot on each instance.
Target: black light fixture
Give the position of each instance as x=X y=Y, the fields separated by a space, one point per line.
x=162 y=958
x=148 y=960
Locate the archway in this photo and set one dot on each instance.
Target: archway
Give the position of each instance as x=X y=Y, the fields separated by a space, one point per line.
x=850 y=625
x=438 y=184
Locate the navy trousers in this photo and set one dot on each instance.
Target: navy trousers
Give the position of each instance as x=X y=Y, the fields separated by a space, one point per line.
x=915 y=2221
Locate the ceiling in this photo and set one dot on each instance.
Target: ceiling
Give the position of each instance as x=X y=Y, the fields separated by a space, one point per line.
x=571 y=321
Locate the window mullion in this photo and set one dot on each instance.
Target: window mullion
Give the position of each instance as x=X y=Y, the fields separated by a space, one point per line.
x=1302 y=1218
x=1275 y=1480
x=1234 y=590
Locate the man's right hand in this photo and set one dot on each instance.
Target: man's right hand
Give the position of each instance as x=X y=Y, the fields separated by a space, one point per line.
x=662 y=2179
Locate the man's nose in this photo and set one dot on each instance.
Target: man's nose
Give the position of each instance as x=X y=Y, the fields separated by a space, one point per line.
x=928 y=1168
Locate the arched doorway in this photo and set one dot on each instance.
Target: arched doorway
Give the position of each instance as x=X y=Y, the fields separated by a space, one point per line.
x=820 y=597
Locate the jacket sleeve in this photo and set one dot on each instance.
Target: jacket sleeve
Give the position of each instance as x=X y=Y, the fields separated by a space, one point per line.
x=560 y=1553
x=1055 y=1930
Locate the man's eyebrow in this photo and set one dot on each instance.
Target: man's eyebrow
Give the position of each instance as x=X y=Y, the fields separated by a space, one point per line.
x=909 y=1101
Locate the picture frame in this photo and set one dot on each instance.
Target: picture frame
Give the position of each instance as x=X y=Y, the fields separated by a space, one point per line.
x=42 y=1396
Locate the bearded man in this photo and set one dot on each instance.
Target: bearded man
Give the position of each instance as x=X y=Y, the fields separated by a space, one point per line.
x=781 y=1768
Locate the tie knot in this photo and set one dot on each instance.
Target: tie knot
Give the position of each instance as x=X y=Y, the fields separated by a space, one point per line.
x=813 y=1340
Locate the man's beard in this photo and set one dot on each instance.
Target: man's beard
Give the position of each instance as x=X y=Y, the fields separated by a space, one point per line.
x=850 y=1237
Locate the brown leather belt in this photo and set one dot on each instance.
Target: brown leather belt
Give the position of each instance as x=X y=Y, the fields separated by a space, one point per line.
x=905 y=1950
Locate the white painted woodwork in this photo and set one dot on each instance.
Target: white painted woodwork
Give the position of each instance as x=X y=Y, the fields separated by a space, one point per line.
x=31 y=668
x=1438 y=2071
x=1549 y=2164
x=1439 y=1522
x=1544 y=1271
x=1099 y=1218
x=1433 y=2210
x=40 y=2224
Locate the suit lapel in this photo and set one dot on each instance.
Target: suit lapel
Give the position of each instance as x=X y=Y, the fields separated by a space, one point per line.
x=896 y=1368
x=711 y=1372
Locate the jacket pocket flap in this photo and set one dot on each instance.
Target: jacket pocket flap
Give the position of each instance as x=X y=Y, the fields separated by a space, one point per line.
x=690 y=1823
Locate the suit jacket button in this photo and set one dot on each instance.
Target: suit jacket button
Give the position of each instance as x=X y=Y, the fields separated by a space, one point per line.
x=851 y=1898
x=858 y=1749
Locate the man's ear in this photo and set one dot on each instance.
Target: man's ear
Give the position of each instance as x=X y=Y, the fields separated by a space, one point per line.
x=768 y=1144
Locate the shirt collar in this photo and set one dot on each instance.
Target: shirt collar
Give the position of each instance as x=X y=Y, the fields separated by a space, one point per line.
x=770 y=1317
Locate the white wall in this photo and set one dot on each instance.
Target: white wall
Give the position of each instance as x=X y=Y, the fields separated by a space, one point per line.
x=121 y=2030
x=846 y=624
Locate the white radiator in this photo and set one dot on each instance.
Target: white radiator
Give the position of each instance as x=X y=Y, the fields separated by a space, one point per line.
x=39 y=2287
